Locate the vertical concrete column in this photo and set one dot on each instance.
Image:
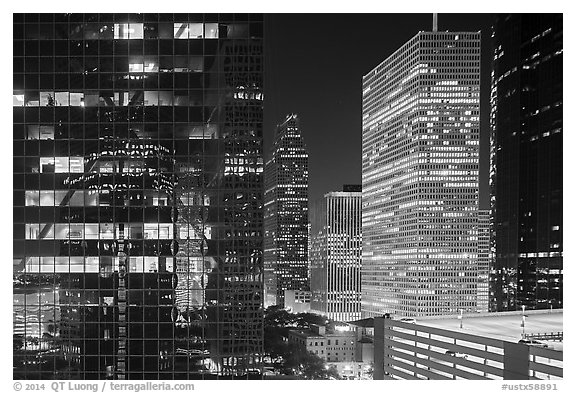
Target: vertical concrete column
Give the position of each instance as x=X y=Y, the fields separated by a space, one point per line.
x=516 y=361
x=379 y=350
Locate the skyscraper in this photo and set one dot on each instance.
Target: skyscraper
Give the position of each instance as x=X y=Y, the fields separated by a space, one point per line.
x=420 y=134
x=336 y=254
x=138 y=181
x=526 y=162
x=286 y=214
x=484 y=260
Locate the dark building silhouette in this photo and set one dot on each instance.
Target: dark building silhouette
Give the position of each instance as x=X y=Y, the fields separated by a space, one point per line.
x=138 y=175
x=526 y=162
x=286 y=214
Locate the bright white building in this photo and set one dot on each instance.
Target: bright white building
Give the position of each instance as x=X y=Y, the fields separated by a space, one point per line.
x=336 y=254
x=420 y=146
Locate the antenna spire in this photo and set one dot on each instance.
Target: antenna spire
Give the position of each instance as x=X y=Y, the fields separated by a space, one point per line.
x=434 y=22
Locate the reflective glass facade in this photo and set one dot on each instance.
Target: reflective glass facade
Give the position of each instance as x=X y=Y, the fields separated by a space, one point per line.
x=526 y=162
x=420 y=135
x=286 y=214
x=138 y=195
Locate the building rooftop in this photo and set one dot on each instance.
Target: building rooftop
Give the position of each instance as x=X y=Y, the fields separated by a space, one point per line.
x=365 y=323
x=306 y=333
x=505 y=326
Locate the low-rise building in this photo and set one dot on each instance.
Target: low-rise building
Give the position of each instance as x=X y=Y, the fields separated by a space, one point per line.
x=312 y=339
x=364 y=354
x=337 y=346
x=297 y=301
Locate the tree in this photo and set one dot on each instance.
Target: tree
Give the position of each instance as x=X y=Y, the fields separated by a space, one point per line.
x=307 y=365
x=370 y=371
x=275 y=316
x=306 y=319
x=274 y=344
x=291 y=358
x=332 y=373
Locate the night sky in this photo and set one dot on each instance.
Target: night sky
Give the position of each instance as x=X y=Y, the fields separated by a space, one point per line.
x=314 y=67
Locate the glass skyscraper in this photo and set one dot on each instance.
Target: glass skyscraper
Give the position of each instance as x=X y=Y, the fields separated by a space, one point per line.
x=138 y=196
x=526 y=162
x=286 y=214
x=420 y=135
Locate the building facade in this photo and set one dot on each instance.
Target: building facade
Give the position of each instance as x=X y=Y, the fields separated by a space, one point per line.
x=484 y=261
x=336 y=254
x=337 y=346
x=526 y=162
x=138 y=175
x=297 y=301
x=420 y=146
x=286 y=214
x=487 y=349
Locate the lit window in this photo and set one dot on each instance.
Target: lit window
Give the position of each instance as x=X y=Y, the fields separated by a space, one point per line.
x=106 y=231
x=150 y=65
x=47 y=98
x=150 y=264
x=128 y=31
x=90 y=231
x=18 y=100
x=68 y=231
x=61 y=164
x=32 y=198
x=121 y=98
x=165 y=98
x=135 y=67
x=32 y=231
x=196 y=30
x=136 y=264
x=46 y=198
x=62 y=98
x=92 y=99
x=165 y=231
x=211 y=30
x=150 y=231
x=76 y=99
x=181 y=30
x=36 y=131
x=151 y=98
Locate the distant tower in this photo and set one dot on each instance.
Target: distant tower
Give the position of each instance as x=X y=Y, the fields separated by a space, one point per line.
x=420 y=146
x=286 y=214
x=526 y=162
x=484 y=259
x=336 y=254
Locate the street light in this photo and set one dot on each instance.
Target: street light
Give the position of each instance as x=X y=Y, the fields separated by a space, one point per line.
x=460 y=317
x=523 y=322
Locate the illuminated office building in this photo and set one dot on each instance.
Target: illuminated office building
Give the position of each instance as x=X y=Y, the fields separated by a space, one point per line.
x=484 y=260
x=336 y=254
x=286 y=214
x=138 y=176
x=420 y=137
x=526 y=162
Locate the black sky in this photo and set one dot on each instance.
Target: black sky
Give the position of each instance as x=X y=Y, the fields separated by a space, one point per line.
x=314 y=67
